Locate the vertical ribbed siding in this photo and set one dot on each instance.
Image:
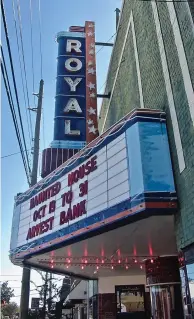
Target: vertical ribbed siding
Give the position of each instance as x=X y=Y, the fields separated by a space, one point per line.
x=156 y=94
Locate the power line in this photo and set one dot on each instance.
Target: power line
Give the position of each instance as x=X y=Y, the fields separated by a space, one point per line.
x=9 y=156
x=14 y=81
x=41 y=67
x=9 y=96
x=20 y=288
x=31 y=41
x=40 y=28
x=11 y=275
x=102 y=47
x=12 y=154
x=107 y=79
x=11 y=280
x=22 y=47
x=102 y=86
x=7 y=86
x=36 y=293
x=27 y=105
x=10 y=99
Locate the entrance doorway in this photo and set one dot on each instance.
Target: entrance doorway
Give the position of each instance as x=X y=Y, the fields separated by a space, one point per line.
x=130 y=300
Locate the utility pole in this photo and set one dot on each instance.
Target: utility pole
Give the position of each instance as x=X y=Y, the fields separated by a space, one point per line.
x=117 y=17
x=37 y=135
x=45 y=295
x=25 y=289
x=50 y=293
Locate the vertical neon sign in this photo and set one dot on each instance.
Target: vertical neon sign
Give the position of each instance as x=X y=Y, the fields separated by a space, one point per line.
x=70 y=104
x=75 y=120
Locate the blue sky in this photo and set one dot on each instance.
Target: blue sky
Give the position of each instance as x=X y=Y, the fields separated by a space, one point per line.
x=56 y=16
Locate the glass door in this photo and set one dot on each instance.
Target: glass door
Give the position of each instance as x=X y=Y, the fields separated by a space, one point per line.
x=163 y=300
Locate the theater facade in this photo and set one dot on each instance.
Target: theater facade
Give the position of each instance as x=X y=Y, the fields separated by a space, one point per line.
x=107 y=214
x=106 y=207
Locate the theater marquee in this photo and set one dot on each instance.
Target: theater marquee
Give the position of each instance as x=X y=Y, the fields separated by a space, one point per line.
x=125 y=172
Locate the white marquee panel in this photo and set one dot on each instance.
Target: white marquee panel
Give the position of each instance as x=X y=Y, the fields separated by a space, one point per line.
x=107 y=186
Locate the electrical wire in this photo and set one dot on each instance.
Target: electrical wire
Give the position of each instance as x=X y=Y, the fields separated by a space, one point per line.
x=25 y=99
x=10 y=275
x=102 y=47
x=22 y=46
x=11 y=155
x=31 y=41
x=9 y=96
x=40 y=29
x=22 y=49
x=11 y=280
x=7 y=86
x=102 y=86
x=36 y=293
x=8 y=90
x=41 y=67
x=14 y=81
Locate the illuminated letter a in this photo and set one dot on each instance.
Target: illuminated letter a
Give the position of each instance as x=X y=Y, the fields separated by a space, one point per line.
x=72 y=105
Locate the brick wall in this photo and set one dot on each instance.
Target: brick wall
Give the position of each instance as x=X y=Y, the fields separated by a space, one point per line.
x=137 y=78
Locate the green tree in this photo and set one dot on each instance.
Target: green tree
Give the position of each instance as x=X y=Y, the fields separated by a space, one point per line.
x=10 y=309
x=6 y=292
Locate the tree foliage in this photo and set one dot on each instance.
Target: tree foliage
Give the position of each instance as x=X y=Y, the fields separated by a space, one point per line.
x=6 y=292
x=48 y=303
x=10 y=309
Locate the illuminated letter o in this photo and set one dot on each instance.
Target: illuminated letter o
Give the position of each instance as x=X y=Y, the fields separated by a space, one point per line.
x=73 y=68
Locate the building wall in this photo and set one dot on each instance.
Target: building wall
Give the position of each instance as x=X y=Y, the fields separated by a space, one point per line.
x=80 y=291
x=152 y=66
x=107 y=284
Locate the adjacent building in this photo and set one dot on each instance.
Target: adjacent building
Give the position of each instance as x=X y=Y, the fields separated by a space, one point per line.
x=152 y=66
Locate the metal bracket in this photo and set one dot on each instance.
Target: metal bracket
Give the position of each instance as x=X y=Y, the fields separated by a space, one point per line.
x=104 y=96
x=36 y=94
x=105 y=44
x=34 y=109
